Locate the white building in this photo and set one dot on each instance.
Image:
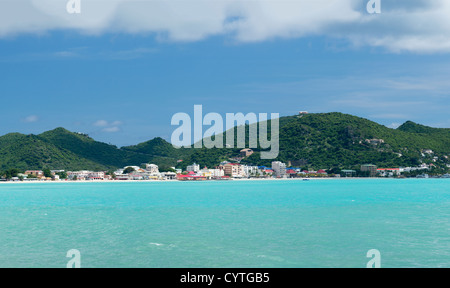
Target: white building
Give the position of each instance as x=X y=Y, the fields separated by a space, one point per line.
x=97 y=175
x=234 y=170
x=193 y=168
x=279 y=169
x=205 y=172
x=168 y=176
x=251 y=170
x=136 y=176
x=85 y=175
x=79 y=175
x=123 y=177
x=211 y=173
x=152 y=168
x=217 y=173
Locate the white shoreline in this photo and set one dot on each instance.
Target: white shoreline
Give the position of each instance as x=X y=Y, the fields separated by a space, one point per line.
x=175 y=180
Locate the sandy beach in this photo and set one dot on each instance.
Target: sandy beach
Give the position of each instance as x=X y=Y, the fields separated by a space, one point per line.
x=175 y=180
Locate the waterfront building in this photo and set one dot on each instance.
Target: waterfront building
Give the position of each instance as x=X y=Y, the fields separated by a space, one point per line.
x=122 y=177
x=168 y=175
x=322 y=172
x=279 y=168
x=217 y=173
x=206 y=173
x=291 y=173
x=234 y=170
x=37 y=173
x=251 y=171
x=85 y=175
x=348 y=173
x=388 y=172
x=96 y=176
x=190 y=177
x=152 y=168
x=372 y=169
x=78 y=175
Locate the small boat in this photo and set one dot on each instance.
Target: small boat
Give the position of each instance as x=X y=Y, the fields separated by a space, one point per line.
x=423 y=176
x=446 y=176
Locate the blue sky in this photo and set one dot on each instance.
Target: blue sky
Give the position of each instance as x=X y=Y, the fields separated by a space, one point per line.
x=123 y=87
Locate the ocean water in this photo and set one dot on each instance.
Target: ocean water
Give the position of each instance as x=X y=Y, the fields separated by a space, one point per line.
x=239 y=224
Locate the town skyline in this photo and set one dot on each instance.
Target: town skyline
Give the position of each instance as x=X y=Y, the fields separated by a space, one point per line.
x=320 y=141
x=225 y=171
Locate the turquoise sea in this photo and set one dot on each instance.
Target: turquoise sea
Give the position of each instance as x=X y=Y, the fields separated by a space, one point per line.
x=239 y=224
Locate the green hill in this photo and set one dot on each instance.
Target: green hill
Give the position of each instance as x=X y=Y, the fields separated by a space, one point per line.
x=412 y=127
x=62 y=149
x=336 y=139
x=158 y=147
x=329 y=140
x=162 y=152
x=32 y=152
x=85 y=147
x=320 y=141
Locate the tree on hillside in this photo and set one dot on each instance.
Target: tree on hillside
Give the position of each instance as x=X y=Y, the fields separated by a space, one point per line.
x=112 y=174
x=166 y=168
x=128 y=170
x=47 y=173
x=10 y=173
x=62 y=175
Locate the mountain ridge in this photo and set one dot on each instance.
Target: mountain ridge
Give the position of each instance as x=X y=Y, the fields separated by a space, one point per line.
x=322 y=140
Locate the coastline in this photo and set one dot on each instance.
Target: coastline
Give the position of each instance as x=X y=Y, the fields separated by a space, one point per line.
x=175 y=180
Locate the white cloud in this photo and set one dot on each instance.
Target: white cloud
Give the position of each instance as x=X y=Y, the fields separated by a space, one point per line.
x=413 y=25
x=111 y=129
x=31 y=119
x=101 y=123
x=116 y=123
x=108 y=127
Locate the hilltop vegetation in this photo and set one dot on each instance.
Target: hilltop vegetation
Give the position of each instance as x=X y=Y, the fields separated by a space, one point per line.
x=336 y=140
x=85 y=147
x=319 y=141
x=412 y=127
x=33 y=152
x=159 y=147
